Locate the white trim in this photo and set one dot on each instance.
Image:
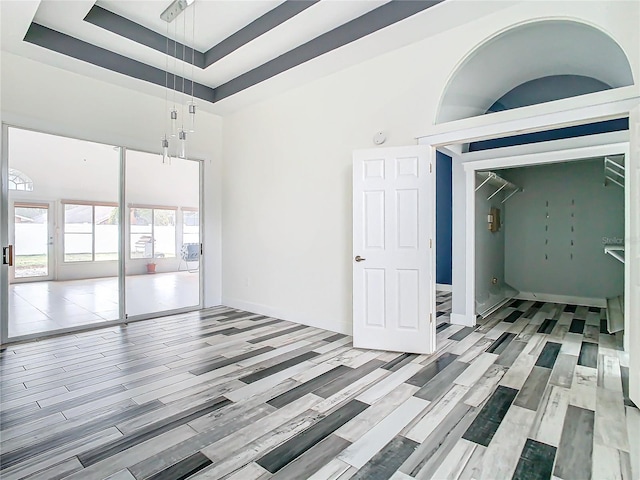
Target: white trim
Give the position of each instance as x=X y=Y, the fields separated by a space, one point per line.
x=444 y=287
x=269 y=311
x=609 y=104
x=605 y=105
x=549 y=156
x=539 y=158
x=466 y=320
x=568 y=299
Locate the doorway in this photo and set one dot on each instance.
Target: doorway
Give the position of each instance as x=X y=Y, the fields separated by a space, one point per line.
x=86 y=251
x=31 y=234
x=542 y=234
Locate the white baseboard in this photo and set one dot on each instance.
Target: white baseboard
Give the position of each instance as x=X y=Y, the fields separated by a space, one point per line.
x=460 y=319
x=270 y=311
x=551 y=298
x=443 y=287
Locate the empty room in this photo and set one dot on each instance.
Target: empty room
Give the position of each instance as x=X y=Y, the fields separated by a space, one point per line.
x=319 y=239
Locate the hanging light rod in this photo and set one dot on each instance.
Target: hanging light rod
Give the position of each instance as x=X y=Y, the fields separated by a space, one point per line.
x=175 y=9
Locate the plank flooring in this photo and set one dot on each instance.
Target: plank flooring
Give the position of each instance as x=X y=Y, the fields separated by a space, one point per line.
x=536 y=391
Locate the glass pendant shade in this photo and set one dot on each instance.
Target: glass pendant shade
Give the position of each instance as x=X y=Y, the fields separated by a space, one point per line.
x=183 y=144
x=166 y=159
x=192 y=116
x=174 y=121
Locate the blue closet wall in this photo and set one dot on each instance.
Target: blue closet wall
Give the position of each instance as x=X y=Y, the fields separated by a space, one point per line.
x=443 y=218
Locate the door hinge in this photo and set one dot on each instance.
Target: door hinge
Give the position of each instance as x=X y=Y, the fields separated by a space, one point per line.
x=431 y=318
x=430 y=243
x=201 y=249
x=431 y=168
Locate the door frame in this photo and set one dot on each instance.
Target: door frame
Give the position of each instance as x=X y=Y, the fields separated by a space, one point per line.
x=51 y=233
x=492 y=159
x=599 y=106
x=4 y=240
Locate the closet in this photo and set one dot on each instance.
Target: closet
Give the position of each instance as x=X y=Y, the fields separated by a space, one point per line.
x=552 y=232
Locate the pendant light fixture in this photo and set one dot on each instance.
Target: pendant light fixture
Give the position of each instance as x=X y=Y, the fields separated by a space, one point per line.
x=176 y=128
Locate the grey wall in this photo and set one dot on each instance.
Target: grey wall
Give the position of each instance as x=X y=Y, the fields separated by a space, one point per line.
x=490 y=252
x=539 y=255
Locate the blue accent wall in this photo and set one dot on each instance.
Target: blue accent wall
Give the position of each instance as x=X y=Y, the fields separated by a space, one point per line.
x=443 y=218
x=556 y=134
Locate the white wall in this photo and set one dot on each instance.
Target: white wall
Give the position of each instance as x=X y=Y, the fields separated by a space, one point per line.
x=287 y=164
x=44 y=98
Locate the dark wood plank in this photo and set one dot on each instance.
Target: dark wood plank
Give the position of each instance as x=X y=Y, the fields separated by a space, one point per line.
x=536 y=461
x=421 y=378
x=576 y=444
x=577 y=326
x=442 y=382
x=533 y=388
x=548 y=355
x=501 y=343
x=488 y=420
x=384 y=463
x=300 y=443
x=462 y=333
x=398 y=362
x=547 y=325
x=513 y=316
x=588 y=355
x=347 y=379
x=184 y=468
x=264 y=373
x=166 y=424
x=309 y=386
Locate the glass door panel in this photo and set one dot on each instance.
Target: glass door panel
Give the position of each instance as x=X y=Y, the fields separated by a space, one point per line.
x=162 y=266
x=32 y=239
x=64 y=195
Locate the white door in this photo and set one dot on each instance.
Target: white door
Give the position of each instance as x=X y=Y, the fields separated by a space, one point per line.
x=393 y=249
x=632 y=254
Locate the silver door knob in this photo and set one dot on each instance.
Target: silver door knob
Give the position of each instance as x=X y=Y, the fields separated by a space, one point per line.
x=359 y=258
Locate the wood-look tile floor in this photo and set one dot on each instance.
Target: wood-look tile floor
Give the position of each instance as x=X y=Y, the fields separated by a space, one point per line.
x=537 y=391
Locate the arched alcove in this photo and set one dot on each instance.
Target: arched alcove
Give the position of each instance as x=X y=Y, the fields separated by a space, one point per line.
x=534 y=63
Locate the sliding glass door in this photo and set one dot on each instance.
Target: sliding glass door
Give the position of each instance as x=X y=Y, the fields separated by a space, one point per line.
x=63 y=227
x=162 y=234
x=94 y=234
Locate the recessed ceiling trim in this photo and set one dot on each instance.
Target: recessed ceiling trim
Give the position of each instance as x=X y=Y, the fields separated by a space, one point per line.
x=377 y=19
x=277 y=16
x=126 y=28
x=103 y=18
x=73 y=47
x=370 y=22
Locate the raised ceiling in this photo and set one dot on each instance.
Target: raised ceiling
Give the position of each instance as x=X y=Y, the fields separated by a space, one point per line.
x=244 y=50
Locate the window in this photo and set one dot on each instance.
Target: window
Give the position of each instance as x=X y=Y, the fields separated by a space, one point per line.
x=19 y=181
x=153 y=232
x=90 y=232
x=190 y=225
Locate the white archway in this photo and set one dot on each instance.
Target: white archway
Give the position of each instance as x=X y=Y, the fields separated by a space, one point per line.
x=527 y=52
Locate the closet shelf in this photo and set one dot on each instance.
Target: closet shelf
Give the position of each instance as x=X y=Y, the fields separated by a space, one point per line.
x=616 y=251
x=494 y=180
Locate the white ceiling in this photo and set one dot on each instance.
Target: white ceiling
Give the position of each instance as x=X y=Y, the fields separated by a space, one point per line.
x=216 y=20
